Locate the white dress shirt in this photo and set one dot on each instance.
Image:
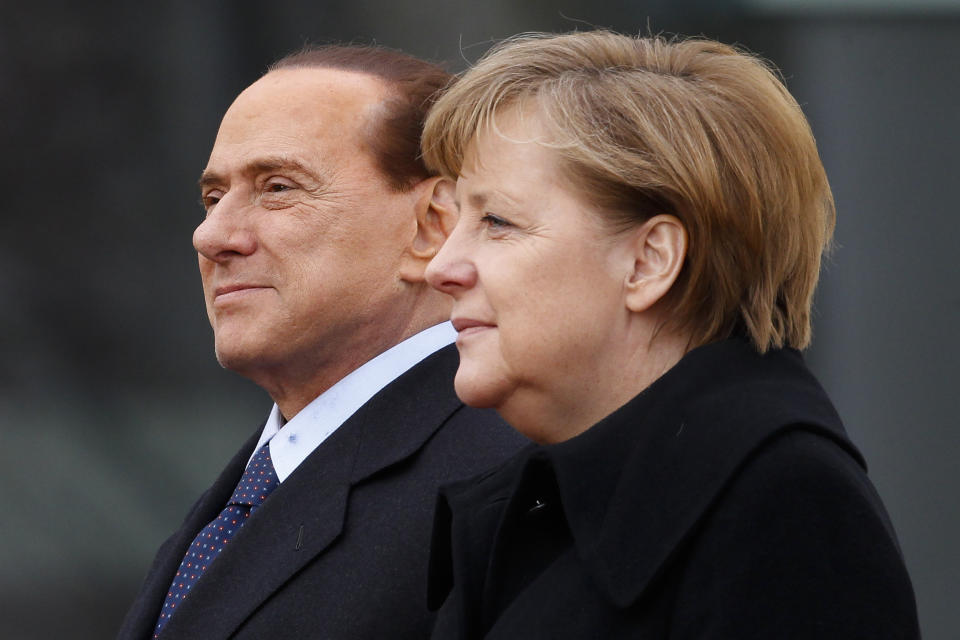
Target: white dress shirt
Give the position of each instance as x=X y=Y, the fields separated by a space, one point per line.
x=292 y=442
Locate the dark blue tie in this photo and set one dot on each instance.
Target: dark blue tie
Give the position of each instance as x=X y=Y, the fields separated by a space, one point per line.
x=257 y=482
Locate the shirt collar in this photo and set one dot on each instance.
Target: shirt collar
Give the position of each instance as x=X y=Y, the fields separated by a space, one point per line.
x=293 y=441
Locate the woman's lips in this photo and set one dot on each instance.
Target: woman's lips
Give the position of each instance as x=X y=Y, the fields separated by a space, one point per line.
x=469 y=326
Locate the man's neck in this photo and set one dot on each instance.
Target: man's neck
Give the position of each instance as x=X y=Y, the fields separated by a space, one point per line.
x=310 y=384
x=294 y=384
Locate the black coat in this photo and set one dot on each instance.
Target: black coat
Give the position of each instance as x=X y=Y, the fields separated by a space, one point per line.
x=725 y=501
x=339 y=550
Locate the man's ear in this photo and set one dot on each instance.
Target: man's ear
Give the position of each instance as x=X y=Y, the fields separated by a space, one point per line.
x=659 y=248
x=436 y=215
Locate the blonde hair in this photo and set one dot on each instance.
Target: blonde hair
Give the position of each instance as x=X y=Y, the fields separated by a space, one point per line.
x=693 y=128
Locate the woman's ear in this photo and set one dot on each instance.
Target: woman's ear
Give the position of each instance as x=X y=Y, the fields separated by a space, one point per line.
x=659 y=250
x=436 y=215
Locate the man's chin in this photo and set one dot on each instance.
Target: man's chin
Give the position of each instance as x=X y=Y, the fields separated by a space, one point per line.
x=241 y=361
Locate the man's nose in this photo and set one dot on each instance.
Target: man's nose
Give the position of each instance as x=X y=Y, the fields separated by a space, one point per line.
x=226 y=231
x=452 y=270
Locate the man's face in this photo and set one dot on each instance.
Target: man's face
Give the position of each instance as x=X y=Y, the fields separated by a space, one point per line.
x=301 y=247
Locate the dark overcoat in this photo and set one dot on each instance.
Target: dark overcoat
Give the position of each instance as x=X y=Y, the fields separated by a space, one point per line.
x=725 y=501
x=339 y=550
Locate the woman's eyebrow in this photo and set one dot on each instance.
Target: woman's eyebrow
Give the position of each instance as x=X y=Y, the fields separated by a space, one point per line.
x=499 y=198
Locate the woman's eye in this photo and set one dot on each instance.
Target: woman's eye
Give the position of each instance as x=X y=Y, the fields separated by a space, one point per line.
x=495 y=222
x=277 y=187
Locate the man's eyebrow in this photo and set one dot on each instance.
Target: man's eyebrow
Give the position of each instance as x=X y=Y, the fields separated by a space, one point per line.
x=208 y=178
x=262 y=165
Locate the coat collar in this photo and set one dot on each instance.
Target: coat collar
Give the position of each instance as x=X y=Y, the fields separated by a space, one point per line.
x=669 y=453
x=414 y=406
x=634 y=486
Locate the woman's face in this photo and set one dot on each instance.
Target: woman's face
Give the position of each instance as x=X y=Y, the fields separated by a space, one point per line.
x=538 y=284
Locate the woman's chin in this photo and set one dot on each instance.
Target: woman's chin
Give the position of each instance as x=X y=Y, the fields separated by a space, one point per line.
x=477 y=390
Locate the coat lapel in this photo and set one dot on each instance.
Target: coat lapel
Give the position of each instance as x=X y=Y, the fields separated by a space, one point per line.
x=399 y=420
x=467 y=522
x=299 y=520
x=306 y=513
x=142 y=618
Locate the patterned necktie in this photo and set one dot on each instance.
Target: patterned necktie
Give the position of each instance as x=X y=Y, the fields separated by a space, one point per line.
x=257 y=482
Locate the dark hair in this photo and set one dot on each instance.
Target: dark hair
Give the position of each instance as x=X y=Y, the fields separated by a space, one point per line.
x=415 y=85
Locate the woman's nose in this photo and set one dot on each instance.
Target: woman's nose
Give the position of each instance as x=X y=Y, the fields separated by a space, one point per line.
x=452 y=271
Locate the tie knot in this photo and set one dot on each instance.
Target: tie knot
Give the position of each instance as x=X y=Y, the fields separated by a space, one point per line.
x=258 y=480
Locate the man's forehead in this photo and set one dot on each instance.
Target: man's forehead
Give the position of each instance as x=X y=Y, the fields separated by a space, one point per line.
x=314 y=93
x=303 y=112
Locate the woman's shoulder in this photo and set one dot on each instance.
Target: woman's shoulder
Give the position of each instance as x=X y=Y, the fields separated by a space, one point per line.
x=809 y=481
x=798 y=539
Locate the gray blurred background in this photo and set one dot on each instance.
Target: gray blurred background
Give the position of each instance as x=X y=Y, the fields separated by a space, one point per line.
x=114 y=413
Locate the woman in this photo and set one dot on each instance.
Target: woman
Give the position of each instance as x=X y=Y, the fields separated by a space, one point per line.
x=640 y=234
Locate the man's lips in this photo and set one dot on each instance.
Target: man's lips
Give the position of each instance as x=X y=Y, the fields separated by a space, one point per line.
x=466 y=326
x=234 y=290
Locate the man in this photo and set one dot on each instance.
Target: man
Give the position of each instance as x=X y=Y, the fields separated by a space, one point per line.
x=320 y=222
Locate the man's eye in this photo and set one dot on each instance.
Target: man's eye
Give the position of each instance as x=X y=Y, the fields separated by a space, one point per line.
x=209 y=200
x=278 y=193
x=278 y=184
